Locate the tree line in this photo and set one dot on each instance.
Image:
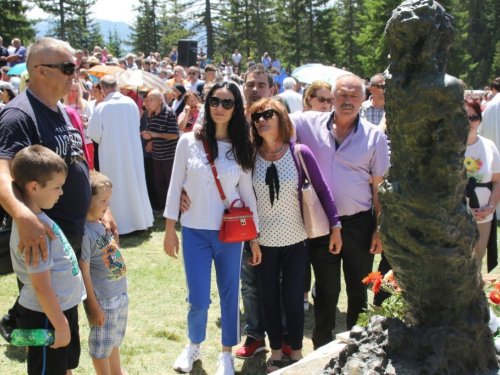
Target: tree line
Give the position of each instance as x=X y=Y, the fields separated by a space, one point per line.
x=348 y=33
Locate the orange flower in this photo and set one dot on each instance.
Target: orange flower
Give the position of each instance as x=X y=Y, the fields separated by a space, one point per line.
x=376 y=279
x=497 y=285
x=495 y=297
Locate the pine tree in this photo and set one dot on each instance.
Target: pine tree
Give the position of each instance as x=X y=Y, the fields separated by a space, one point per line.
x=14 y=23
x=62 y=10
x=146 y=33
x=115 y=43
x=173 y=26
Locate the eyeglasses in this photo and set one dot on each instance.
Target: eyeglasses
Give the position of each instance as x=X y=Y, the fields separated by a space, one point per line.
x=379 y=86
x=267 y=114
x=67 y=68
x=322 y=99
x=226 y=103
x=474 y=118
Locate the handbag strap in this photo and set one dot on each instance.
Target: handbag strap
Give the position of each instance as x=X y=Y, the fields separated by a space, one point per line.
x=304 y=168
x=214 y=171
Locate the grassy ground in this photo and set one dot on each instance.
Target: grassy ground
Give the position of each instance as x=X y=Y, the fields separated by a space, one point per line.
x=156 y=331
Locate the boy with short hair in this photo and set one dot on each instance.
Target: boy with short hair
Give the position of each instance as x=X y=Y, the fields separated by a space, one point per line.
x=103 y=270
x=52 y=291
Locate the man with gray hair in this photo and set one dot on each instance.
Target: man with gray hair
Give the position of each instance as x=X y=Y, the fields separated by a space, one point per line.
x=130 y=62
x=18 y=55
x=293 y=99
x=4 y=53
x=373 y=108
x=115 y=126
x=350 y=152
x=163 y=133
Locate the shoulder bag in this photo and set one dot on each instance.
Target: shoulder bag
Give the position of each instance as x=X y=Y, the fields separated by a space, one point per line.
x=237 y=222
x=315 y=219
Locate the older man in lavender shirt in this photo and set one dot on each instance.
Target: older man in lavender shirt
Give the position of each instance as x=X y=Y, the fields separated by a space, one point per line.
x=351 y=153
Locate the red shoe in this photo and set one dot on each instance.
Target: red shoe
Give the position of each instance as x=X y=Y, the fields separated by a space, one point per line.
x=250 y=348
x=286 y=350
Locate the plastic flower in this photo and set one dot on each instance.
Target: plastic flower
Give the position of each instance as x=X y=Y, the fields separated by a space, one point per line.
x=375 y=278
x=497 y=285
x=389 y=277
x=495 y=297
x=471 y=164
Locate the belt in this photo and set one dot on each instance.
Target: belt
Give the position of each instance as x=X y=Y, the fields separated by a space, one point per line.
x=355 y=216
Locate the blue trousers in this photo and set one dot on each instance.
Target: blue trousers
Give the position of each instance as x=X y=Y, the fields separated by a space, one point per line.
x=200 y=247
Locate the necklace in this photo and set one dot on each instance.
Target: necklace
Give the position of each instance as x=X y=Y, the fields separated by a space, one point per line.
x=277 y=153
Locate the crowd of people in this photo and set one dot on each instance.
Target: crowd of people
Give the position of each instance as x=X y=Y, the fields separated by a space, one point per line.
x=155 y=151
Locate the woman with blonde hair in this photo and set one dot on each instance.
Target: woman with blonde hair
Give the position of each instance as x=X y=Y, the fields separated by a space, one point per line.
x=318 y=97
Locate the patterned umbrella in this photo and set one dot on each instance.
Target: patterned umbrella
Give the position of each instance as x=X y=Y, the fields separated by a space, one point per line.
x=141 y=81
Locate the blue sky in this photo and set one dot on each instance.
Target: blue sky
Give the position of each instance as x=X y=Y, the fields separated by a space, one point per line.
x=115 y=10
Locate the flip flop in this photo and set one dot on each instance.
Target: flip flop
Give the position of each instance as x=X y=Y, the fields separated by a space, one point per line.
x=273 y=363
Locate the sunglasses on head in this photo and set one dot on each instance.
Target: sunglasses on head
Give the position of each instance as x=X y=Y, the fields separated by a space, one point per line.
x=474 y=118
x=267 y=114
x=67 y=68
x=226 y=103
x=322 y=99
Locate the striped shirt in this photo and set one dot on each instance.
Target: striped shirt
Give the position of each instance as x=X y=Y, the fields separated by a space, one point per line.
x=164 y=122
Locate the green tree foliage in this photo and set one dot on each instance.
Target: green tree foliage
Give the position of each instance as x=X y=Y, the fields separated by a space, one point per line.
x=146 y=31
x=173 y=26
x=14 y=23
x=115 y=43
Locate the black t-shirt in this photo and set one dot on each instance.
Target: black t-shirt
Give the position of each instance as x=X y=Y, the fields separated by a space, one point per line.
x=26 y=121
x=3 y=52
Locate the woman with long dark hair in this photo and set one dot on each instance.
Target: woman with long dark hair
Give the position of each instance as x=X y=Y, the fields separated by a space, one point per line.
x=227 y=136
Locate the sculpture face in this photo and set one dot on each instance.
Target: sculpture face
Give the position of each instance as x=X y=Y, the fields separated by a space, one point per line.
x=423 y=29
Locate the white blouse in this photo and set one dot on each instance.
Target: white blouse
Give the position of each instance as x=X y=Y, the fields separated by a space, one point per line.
x=192 y=172
x=280 y=224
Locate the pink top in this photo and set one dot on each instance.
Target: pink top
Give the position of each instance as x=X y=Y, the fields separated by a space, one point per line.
x=76 y=121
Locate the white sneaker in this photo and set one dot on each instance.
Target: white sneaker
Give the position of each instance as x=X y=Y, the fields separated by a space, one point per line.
x=225 y=364
x=190 y=354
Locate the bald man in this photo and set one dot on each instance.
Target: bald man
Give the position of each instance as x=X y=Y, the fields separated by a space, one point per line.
x=36 y=117
x=163 y=132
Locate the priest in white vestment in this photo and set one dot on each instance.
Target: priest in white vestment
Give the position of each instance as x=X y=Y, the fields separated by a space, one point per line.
x=115 y=126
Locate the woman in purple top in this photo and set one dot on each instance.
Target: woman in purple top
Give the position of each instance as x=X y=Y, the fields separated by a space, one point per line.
x=277 y=180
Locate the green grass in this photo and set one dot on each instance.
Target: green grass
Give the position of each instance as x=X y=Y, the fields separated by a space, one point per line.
x=156 y=331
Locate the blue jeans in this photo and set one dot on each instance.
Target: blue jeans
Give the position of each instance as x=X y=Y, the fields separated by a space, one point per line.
x=249 y=293
x=200 y=247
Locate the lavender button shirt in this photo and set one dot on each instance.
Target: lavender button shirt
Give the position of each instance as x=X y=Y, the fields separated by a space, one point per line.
x=348 y=169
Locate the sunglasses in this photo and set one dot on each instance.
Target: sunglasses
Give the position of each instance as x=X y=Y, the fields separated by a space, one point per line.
x=226 y=103
x=378 y=86
x=474 y=118
x=268 y=114
x=322 y=99
x=192 y=73
x=67 y=68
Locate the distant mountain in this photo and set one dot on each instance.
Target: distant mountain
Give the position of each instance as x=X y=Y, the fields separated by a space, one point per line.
x=42 y=28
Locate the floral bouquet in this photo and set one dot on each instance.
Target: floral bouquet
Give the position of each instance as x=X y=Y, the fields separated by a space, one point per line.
x=492 y=290
x=392 y=307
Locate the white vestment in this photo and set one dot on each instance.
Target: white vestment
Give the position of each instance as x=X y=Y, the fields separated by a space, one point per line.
x=293 y=99
x=115 y=126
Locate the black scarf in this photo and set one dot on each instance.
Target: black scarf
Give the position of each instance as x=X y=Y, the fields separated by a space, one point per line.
x=273 y=182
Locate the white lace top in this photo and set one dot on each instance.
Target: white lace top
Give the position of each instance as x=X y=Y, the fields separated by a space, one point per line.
x=280 y=224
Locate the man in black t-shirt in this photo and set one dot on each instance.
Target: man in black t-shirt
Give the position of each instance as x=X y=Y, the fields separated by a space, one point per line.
x=36 y=117
x=4 y=53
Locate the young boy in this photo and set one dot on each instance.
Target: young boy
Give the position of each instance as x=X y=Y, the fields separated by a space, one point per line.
x=103 y=272
x=53 y=290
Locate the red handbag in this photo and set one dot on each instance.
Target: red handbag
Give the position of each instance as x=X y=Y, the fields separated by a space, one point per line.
x=237 y=222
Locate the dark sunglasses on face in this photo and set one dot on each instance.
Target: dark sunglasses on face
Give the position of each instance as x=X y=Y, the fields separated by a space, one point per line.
x=322 y=99
x=192 y=73
x=226 y=103
x=379 y=86
x=267 y=114
x=474 y=118
x=67 y=68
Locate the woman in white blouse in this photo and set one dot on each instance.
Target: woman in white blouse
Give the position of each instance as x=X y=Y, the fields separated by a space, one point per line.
x=227 y=134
